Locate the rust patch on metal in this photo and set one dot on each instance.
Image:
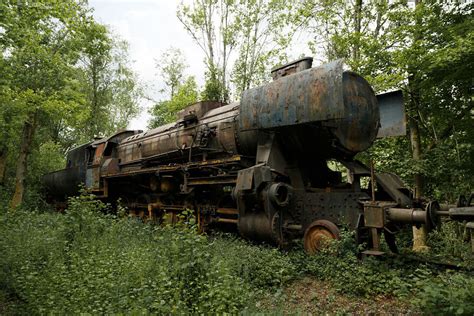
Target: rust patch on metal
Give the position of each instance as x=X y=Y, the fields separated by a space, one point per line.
x=318 y=234
x=299 y=98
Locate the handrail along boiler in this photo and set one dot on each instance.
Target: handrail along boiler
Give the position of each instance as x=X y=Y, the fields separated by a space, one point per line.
x=264 y=164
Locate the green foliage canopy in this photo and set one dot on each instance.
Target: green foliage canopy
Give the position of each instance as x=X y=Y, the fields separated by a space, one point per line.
x=165 y=112
x=64 y=80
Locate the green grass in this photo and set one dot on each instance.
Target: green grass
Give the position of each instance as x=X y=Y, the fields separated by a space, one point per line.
x=85 y=261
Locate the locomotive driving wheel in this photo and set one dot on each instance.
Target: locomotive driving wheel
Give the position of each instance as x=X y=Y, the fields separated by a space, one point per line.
x=318 y=234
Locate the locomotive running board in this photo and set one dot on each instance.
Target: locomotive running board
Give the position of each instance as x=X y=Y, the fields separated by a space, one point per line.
x=174 y=167
x=392 y=114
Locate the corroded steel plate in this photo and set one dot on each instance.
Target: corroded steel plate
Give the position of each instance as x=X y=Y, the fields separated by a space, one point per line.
x=311 y=95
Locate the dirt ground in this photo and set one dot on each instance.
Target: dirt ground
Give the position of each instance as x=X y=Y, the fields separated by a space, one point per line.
x=309 y=296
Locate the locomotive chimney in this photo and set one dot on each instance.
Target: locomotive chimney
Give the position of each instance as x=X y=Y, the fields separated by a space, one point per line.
x=292 y=67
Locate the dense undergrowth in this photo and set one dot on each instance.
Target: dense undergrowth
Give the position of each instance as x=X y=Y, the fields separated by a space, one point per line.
x=85 y=261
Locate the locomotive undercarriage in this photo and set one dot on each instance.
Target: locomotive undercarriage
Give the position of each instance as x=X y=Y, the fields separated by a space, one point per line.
x=165 y=191
x=255 y=200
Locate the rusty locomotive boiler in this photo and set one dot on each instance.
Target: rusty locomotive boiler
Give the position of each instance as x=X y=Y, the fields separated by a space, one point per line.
x=265 y=165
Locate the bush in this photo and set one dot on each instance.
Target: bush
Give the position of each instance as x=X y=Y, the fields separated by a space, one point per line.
x=86 y=261
x=263 y=267
x=339 y=264
x=448 y=242
x=431 y=289
x=449 y=294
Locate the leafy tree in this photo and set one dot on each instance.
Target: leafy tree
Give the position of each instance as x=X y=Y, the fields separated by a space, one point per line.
x=440 y=90
x=44 y=86
x=182 y=90
x=213 y=87
x=126 y=90
x=171 y=66
x=425 y=50
x=40 y=46
x=165 y=111
x=110 y=86
x=239 y=38
x=263 y=38
x=8 y=126
x=211 y=24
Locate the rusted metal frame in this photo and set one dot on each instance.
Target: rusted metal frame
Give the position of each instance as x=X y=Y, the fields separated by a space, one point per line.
x=227 y=211
x=199 y=109
x=103 y=147
x=166 y=132
x=135 y=205
x=132 y=132
x=374 y=220
x=337 y=207
x=385 y=180
x=184 y=186
x=193 y=165
x=130 y=173
x=192 y=143
x=234 y=158
x=330 y=189
x=105 y=187
x=375 y=238
x=169 y=154
x=377 y=214
x=227 y=220
x=171 y=131
x=65 y=181
x=109 y=166
x=212 y=180
x=149 y=158
x=221 y=113
x=374 y=215
x=292 y=67
x=93 y=170
x=171 y=207
x=407 y=215
x=465 y=213
x=372 y=180
x=151 y=208
x=177 y=132
x=288 y=101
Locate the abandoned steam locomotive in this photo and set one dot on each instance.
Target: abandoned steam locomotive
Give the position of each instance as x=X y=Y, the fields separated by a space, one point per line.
x=265 y=165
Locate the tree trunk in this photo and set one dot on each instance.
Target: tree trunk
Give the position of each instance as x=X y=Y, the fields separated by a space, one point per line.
x=22 y=164
x=415 y=141
x=209 y=35
x=94 y=122
x=357 y=29
x=224 y=53
x=3 y=164
x=419 y=234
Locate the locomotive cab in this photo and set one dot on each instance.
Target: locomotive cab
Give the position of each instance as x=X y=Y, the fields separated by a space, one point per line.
x=83 y=167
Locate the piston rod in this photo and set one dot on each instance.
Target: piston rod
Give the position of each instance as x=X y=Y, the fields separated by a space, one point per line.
x=407 y=215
